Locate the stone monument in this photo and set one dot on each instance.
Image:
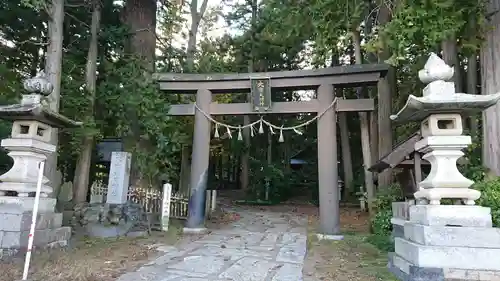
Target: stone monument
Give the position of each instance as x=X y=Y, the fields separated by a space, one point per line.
x=117 y=216
x=445 y=242
x=28 y=145
x=119 y=177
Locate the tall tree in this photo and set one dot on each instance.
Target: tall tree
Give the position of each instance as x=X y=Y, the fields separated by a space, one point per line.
x=386 y=88
x=472 y=73
x=140 y=17
x=450 y=56
x=490 y=81
x=245 y=156
x=53 y=70
x=83 y=163
x=196 y=18
x=365 y=127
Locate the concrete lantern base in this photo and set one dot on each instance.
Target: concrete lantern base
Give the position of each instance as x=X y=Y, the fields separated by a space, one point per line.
x=15 y=226
x=406 y=271
x=447 y=243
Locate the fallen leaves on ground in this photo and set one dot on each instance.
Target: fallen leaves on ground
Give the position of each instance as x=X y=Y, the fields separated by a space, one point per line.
x=89 y=259
x=221 y=217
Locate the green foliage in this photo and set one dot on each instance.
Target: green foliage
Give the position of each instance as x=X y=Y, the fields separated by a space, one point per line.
x=267 y=177
x=383 y=242
x=35 y=4
x=381 y=222
x=135 y=107
x=381 y=226
x=425 y=24
x=474 y=169
x=387 y=195
x=490 y=197
x=490 y=188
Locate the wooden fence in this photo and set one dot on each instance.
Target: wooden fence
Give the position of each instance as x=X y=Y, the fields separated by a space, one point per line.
x=152 y=201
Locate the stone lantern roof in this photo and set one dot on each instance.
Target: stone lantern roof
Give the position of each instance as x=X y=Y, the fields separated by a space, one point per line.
x=440 y=97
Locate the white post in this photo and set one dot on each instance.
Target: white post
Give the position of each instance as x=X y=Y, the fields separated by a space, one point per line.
x=208 y=200
x=213 y=200
x=362 y=200
x=97 y=192
x=33 y=220
x=165 y=212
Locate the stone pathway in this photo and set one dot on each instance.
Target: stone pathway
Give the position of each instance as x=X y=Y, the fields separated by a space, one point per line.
x=261 y=246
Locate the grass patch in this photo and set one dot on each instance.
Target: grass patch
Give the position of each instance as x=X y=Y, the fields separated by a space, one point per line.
x=347 y=260
x=351 y=259
x=383 y=242
x=371 y=260
x=91 y=259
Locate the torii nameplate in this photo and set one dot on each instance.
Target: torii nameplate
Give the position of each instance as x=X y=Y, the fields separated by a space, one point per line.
x=261 y=94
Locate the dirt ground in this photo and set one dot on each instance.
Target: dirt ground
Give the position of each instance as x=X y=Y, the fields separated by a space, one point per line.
x=90 y=259
x=104 y=260
x=99 y=259
x=351 y=259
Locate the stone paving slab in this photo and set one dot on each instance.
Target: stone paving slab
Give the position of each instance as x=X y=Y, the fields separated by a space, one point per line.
x=289 y=272
x=214 y=239
x=252 y=239
x=232 y=253
x=289 y=254
x=249 y=269
x=270 y=239
x=259 y=247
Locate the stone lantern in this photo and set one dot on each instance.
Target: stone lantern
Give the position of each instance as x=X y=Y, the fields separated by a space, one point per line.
x=29 y=144
x=445 y=242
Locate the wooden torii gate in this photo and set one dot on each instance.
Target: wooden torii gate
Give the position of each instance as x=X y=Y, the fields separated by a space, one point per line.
x=260 y=85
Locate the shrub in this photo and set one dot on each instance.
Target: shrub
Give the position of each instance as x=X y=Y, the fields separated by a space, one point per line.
x=381 y=226
x=387 y=195
x=474 y=169
x=490 y=197
x=381 y=223
x=382 y=242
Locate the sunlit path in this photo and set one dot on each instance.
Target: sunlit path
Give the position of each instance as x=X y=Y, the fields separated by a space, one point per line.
x=261 y=246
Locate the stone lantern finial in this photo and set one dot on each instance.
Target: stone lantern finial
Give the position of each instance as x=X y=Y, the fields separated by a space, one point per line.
x=436 y=74
x=435 y=69
x=38 y=85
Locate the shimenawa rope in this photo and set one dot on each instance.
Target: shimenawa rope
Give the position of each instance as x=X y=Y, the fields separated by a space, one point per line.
x=261 y=121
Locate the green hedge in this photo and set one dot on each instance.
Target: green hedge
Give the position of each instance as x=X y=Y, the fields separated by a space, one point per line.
x=490 y=197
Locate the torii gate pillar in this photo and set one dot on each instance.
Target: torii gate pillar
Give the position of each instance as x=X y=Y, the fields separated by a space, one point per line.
x=327 y=163
x=199 y=164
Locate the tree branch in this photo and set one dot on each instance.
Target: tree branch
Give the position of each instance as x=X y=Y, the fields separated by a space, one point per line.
x=76 y=19
x=165 y=45
x=46 y=7
x=31 y=42
x=203 y=8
